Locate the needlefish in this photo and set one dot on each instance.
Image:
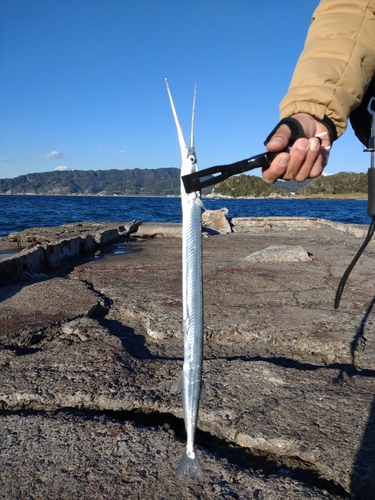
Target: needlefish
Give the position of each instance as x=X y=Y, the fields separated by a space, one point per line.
x=190 y=380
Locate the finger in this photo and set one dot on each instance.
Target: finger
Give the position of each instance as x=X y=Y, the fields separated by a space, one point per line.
x=320 y=163
x=312 y=159
x=280 y=139
x=298 y=155
x=316 y=170
x=277 y=168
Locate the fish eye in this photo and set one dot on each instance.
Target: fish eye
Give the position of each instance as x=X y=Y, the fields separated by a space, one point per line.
x=192 y=158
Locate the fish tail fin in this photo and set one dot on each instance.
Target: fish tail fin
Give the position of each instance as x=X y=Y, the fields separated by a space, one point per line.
x=190 y=466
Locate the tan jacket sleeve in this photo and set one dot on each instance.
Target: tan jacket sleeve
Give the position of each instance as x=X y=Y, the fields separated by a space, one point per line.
x=337 y=63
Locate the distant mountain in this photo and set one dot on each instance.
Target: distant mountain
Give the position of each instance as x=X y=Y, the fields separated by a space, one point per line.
x=292 y=186
x=145 y=182
x=166 y=182
x=247 y=185
x=343 y=183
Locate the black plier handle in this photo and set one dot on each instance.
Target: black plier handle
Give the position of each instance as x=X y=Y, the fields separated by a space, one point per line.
x=195 y=182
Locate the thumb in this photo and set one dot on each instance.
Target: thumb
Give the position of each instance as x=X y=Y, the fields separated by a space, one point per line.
x=279 y=140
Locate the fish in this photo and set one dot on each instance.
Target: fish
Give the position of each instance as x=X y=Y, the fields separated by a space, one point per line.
x=190 y=380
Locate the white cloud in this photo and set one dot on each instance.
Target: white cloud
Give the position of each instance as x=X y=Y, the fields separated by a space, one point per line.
x=4 y=160
x=121 y=152
x=52 y=155
x=62 y=168
x=103 y=149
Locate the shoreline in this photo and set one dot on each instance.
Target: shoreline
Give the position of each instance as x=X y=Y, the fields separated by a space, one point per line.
x=352 y=196
x=31 y=251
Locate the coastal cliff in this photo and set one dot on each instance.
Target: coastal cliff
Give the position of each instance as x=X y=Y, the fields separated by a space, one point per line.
x=166 y=182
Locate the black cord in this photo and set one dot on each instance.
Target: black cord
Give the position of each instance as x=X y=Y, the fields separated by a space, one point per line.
x=340 y=288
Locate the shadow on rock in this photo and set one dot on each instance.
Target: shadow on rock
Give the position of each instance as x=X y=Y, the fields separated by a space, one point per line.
x=359 y=340
x=363 y=474
x=132 y=342
x=358 y=344
x=345 y=369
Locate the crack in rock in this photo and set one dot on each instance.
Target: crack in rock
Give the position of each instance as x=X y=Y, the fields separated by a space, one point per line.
x=232 y=454
x=289 y=389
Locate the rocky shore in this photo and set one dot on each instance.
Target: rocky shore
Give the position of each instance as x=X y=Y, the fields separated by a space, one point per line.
x=90 y=350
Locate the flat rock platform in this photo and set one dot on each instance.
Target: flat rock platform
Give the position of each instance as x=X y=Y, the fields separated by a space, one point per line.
x=90 y=350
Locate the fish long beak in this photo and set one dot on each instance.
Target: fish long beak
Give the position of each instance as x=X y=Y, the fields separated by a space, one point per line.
x=181 y=138
x=192 y=147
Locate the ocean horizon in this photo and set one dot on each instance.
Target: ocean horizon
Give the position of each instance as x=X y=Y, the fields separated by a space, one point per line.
x=19 y=212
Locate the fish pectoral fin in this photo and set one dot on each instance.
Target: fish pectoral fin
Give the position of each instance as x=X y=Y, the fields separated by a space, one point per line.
x=199 y=202
x=180 y=383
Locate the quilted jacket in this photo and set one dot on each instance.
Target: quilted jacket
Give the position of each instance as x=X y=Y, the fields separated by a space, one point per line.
x=337 y=64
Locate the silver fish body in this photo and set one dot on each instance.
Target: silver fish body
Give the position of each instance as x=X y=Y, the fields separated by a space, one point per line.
x=192 y=292
x=190 y=381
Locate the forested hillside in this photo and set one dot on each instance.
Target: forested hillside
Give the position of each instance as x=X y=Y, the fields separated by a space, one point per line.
x=166 y=182
x=343 y=183
x=246 y=185
x=146 y=182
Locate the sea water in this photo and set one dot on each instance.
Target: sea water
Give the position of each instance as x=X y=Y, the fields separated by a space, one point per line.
x=21 y=212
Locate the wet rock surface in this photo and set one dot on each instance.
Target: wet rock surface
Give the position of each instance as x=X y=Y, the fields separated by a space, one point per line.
x=27 y=253
x=91 y=350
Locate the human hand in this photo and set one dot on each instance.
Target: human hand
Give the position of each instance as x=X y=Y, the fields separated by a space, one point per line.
x=308 y=155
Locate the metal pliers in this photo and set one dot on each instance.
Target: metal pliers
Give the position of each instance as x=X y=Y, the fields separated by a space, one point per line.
x=198 y=180
x=212 y=175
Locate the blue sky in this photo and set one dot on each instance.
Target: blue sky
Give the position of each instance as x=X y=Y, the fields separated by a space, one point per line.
x=82 y=81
